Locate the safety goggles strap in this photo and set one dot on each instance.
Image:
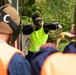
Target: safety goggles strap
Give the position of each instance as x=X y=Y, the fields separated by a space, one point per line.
x=7 y=19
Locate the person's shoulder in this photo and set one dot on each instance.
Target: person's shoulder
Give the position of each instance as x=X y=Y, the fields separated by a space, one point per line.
x=18 y=60
x=19 y=64
x=46 y=22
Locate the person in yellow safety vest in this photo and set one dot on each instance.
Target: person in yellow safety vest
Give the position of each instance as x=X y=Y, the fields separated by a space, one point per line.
x=48 y=61
x=12 y=60
x=38 y=33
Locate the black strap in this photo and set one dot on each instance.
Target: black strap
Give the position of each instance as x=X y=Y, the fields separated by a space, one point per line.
x=3 y=8
x=11 y=23
x=1 y=13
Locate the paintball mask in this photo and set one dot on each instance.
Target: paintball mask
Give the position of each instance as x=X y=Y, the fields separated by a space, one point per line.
x=38 y=21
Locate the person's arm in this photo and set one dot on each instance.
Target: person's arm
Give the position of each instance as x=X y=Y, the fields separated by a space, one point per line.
x=39 y=57
x=28 y=29
x=19 y=66
x=49 y=26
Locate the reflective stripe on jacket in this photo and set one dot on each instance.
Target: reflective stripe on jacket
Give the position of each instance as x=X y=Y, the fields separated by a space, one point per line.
x=6 y=54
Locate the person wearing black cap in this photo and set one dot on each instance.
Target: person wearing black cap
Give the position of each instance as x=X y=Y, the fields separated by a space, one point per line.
x=38 y=32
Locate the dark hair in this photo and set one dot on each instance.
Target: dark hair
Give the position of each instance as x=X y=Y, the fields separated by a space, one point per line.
x=34 y=16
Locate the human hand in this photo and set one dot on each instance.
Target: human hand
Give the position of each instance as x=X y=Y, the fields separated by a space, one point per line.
x=59 y=26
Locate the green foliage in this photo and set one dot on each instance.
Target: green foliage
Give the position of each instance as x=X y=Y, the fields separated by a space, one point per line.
x=26 y=7
x=1 y=2
x=61 y=11
x=14 y=3
x=62 y=46
x=26 y=20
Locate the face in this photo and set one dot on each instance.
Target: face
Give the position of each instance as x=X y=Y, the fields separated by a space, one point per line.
x=38 y=22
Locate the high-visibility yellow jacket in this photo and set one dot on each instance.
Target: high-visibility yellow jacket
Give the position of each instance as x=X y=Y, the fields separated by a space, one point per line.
x=38 y=38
